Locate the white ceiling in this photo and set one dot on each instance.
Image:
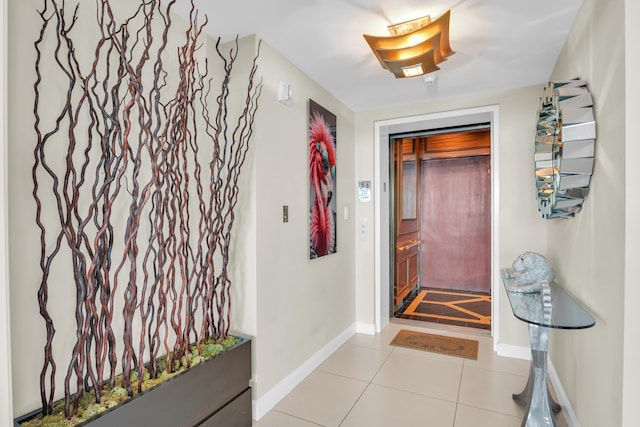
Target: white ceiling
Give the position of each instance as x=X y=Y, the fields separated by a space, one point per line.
x=499 y=44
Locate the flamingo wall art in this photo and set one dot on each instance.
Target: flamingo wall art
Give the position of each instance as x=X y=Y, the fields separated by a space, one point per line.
x=322 y=181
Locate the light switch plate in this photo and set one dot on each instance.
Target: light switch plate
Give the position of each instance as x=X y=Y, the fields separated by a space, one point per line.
x=362 y=229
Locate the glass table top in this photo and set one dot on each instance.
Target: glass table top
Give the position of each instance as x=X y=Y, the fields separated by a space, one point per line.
x=566 y=313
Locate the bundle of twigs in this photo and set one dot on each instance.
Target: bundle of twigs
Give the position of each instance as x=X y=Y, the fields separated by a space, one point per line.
x=128 y=138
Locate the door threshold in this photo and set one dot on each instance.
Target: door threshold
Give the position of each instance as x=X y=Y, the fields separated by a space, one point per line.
x=440 y=326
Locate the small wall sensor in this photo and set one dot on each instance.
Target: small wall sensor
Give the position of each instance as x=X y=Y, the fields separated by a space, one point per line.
x=285 y=93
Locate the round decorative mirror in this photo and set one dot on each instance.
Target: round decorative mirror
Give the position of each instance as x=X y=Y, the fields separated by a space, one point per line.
x=564 y=148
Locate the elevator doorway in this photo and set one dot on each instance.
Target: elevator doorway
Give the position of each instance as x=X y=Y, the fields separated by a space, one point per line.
x=442 y=227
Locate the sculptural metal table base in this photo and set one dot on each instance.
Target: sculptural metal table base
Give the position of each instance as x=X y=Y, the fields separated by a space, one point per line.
x=540 y=406
x=552 y=308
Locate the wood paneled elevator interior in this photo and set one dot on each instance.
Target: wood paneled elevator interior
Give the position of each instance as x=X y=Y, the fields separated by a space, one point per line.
x=442 y=211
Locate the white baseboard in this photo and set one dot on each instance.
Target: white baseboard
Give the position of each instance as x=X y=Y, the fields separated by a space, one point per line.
x=561 y=395
x=271 y=398
x=366 y=328
x=513 y=351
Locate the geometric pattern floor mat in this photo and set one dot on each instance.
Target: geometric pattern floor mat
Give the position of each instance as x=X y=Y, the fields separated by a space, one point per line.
x=451 y=307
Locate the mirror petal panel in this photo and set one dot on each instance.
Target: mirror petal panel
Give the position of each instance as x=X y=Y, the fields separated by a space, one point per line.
x=564 y=148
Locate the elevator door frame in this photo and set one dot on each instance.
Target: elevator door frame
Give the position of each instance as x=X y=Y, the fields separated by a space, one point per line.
x=382 y=130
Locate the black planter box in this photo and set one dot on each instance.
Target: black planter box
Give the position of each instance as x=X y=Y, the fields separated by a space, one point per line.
x=213 y=393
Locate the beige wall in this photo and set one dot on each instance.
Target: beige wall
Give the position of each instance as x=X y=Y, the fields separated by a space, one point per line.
x=302 y=304
x=631 y=355
x=6 y=399
x=589 y=250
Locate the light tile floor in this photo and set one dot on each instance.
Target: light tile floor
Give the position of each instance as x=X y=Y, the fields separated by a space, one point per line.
x=369 y=383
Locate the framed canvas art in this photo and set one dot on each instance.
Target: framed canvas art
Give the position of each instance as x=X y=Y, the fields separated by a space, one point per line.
x=322 y=181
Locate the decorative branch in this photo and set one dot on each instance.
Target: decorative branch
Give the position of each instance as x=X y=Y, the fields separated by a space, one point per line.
x=124 y=124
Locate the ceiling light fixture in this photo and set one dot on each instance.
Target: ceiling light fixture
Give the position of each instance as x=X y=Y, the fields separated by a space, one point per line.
x=415 y=47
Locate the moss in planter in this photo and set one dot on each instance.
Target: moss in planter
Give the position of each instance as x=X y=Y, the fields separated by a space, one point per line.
x=112 y=397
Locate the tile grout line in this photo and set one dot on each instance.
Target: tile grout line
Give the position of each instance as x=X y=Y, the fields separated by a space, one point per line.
x=455 y=414
x=300 y=418
x=394 y=349
x=367 y=387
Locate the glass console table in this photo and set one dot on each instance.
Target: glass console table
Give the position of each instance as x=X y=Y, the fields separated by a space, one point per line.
x=551 y=309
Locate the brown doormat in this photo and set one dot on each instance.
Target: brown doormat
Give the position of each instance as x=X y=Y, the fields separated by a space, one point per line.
x=437 y=344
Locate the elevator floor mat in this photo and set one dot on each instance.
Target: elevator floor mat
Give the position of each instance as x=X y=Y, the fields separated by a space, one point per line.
x=450 y=307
